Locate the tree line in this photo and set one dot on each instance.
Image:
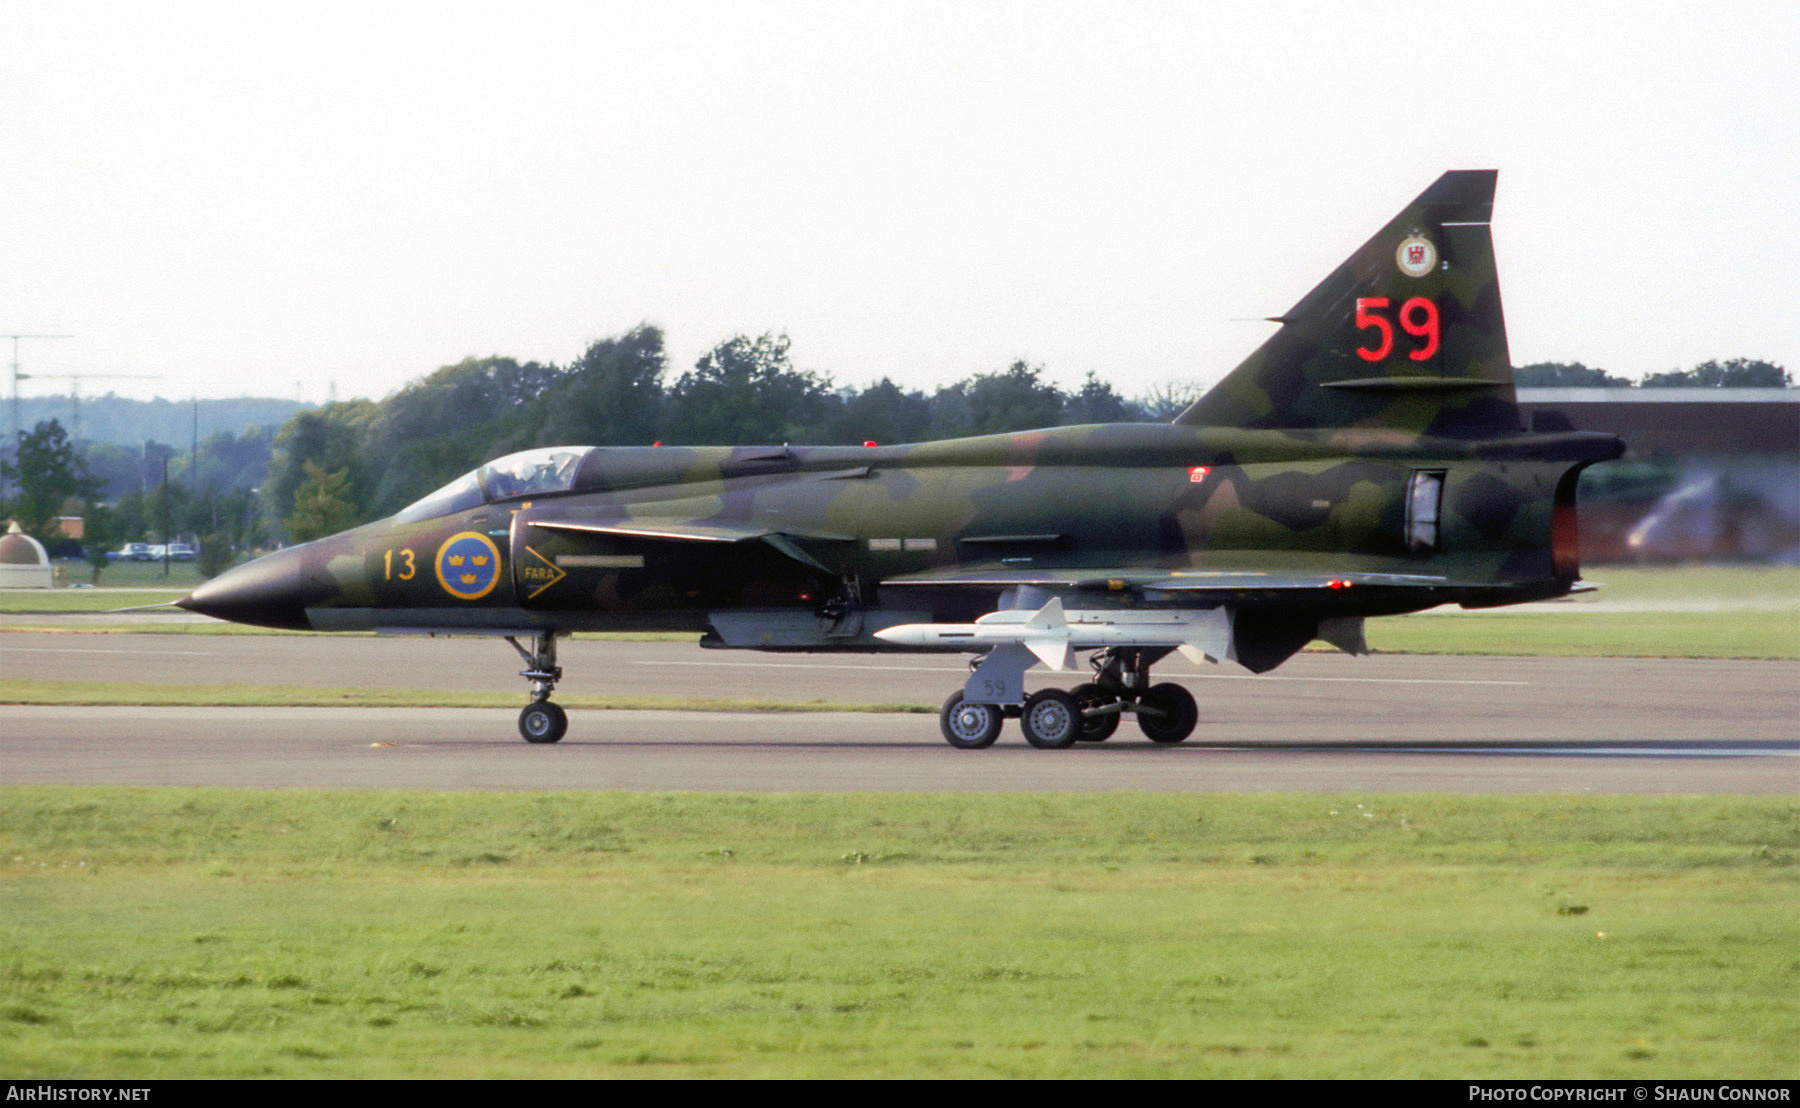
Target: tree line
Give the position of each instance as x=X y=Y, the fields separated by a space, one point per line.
x=1737 y=373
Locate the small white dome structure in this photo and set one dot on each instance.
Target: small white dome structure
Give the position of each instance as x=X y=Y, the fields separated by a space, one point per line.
x=23 y=562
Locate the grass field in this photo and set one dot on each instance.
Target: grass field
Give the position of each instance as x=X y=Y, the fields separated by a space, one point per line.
x=131 y=575
x=150 y=694
x=198 y=933
x=167 y=933
x=1590 y=634
x=1700 y=612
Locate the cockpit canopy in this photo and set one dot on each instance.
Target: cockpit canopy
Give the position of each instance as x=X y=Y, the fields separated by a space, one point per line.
x=527 y=473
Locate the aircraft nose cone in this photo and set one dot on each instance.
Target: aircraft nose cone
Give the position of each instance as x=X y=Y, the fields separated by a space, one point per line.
x=272 y=591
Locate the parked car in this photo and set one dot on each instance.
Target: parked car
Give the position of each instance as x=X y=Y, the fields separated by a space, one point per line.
x=131 y=552
x=181 y=552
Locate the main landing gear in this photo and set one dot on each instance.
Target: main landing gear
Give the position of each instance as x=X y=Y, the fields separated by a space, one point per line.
x=542 y=721
x=1053 y=719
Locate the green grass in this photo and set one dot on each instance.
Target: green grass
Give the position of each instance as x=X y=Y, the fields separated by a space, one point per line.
x=1591 y=634
x=1683 y=612
x=132 y=575
x=1756 y=584
x=224 y=933
x=150 y=694
x=57 y=601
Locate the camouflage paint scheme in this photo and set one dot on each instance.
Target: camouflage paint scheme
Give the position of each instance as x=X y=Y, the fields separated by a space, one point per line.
x=1286 y=494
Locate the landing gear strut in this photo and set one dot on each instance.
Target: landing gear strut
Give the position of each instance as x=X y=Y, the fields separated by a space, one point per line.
x=541 y=721
x=1166 y=713
x=1100 y=711
x=1053 y=719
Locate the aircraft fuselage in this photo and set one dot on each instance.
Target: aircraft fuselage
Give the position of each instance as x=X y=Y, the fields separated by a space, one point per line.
x=798 y=528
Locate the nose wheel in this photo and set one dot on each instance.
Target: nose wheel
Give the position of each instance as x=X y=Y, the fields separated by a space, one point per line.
x=542 y=721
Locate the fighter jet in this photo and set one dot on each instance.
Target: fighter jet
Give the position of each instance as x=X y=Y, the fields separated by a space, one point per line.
x=1366 y=460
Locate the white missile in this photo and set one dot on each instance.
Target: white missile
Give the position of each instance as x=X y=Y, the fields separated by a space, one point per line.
x=1054 y=635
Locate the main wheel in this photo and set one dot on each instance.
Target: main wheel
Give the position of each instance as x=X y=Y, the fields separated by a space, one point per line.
x=969 y=726
x=1098 y=728
x=1051 y=720
x=543 y=722
x=1167 y=713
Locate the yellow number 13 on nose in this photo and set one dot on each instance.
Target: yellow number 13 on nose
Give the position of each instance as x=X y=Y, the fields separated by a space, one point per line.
x=407 y=568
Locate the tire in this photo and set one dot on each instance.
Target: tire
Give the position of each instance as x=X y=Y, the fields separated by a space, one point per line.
x=1095 y=729
x=543 y=722
x=1051 y=720
x=969 y=726
x=1167 y=713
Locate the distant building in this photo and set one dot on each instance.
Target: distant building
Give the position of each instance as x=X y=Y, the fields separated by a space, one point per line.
x=23 y=562
x=1708 y=474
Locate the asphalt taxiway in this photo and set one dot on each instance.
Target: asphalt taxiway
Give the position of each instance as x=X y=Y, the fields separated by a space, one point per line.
x=1323 y=722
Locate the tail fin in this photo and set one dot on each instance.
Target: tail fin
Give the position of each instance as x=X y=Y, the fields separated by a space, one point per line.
x=1406 y=335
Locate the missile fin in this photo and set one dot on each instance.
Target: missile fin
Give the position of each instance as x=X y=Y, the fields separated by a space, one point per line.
x=1056 y=655
x=1194 y=654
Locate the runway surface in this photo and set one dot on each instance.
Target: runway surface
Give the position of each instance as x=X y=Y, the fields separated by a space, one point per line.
x=1323 y=722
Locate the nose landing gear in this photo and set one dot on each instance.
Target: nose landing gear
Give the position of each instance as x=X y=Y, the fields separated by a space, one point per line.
x=542 y=721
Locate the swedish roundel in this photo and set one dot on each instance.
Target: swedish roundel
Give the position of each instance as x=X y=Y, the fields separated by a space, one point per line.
x=468 y=565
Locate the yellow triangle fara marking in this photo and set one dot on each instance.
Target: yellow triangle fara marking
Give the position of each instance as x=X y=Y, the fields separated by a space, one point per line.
x=559 y=572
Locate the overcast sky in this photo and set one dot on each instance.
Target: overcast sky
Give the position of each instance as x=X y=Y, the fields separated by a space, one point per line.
x=269 y=199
